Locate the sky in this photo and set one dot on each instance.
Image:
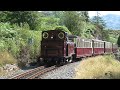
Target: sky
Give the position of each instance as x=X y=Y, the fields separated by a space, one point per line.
x=93 y=13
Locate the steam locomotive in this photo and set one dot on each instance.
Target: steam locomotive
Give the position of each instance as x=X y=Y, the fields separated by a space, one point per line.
x=58 y=47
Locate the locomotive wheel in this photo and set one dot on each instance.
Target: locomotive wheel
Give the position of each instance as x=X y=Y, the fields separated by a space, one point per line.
x=66 y=60
x=62 y=62
x=70 y=59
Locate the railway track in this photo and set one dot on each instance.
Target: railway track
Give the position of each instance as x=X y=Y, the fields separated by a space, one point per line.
x=34 y=73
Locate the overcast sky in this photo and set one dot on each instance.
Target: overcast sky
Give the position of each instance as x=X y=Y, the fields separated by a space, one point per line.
x=93 y=13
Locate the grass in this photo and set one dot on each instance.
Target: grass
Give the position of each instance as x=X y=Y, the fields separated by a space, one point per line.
x=100 y=67
x=6 y=58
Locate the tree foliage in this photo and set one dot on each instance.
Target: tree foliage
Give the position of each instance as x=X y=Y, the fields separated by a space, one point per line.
x=105 y=35
x=71 y=19
x=118 y=41
x=18 y=17
x=99 y=21
x=85 y=15
x=99 y=33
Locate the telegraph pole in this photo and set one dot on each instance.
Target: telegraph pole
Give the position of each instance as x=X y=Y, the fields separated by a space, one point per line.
x=97 y=16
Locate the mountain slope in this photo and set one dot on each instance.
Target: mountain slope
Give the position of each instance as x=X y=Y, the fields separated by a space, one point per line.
x=112 y=21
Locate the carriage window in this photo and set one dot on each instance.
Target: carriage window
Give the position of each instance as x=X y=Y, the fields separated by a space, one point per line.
x=88 y=44
x=102 y=45
x=98 y=44
x=107 y=45
x=79 y=43
x=84 y=44
x=95 y=44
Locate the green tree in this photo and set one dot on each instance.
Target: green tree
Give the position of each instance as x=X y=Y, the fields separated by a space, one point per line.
x=85 y=15
x=72 y=20
x=57 y=14
x=30 y=17
x=105 y=35
x=48 y=23
x=100 y=25
x=118 y=41
x=4 y=16
x=18 y=17
x=98 y=20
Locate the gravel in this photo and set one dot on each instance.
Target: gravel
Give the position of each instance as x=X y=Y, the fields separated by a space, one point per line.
x=64 y=72
x=12 y=73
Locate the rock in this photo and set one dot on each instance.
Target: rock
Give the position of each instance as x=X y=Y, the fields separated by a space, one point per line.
x=9 y=67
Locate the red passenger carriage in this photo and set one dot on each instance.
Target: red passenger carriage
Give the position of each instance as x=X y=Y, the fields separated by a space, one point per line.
x=98 y=47
x=83 y=47
x=108 y=47
x=114 y=48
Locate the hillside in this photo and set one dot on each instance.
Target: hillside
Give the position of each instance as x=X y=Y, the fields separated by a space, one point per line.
x=112 y=21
